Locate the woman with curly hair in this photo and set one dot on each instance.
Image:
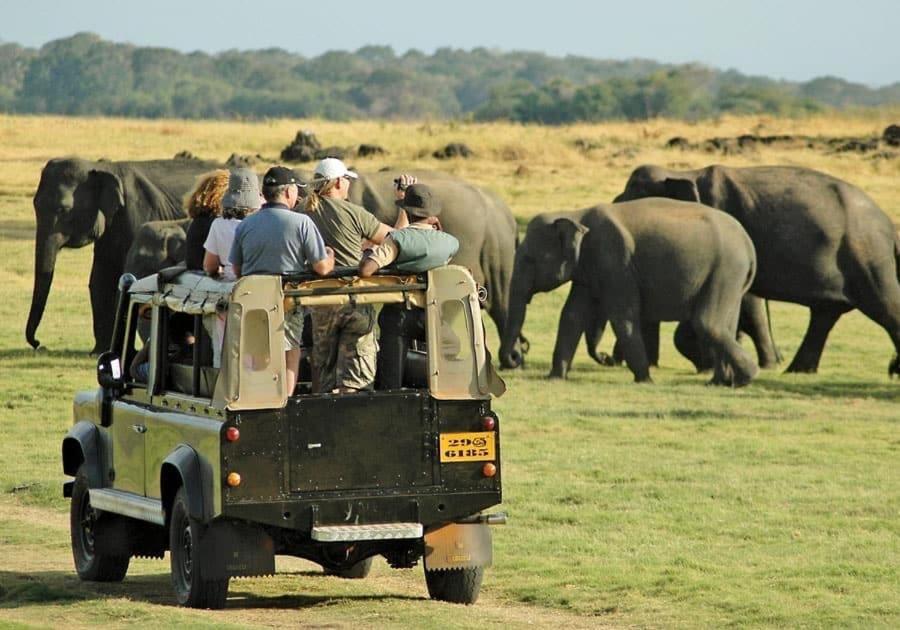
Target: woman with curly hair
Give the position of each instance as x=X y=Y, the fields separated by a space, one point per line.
x=203 y=205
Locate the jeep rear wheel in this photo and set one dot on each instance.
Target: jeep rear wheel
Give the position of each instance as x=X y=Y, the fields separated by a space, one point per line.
x=458 y=586
x=90 y=565
x=192 y=588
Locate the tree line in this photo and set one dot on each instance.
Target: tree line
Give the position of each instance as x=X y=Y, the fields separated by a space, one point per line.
x=86 y=75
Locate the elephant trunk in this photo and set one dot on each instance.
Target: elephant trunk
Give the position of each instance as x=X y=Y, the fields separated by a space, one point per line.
x=519 y=297
x=46 y=249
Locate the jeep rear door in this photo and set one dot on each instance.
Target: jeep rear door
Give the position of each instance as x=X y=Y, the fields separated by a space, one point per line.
x=379 y=440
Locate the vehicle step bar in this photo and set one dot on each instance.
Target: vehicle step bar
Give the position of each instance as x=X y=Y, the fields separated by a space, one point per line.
x=377 y=531
x=127 y=504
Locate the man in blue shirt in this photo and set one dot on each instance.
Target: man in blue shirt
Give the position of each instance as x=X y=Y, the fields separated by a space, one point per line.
x=277 y=240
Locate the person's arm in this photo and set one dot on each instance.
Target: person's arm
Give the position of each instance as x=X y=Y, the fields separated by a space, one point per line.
x=381 y=233
x=235 y=256
x=325 y=266
x=142 y=356
x=402 y=220
x=320 y=257
x=367 y=267
x=211 y=263
x=381 y=256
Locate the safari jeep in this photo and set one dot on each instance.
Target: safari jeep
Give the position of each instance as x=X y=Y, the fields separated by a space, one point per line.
x=225 y=468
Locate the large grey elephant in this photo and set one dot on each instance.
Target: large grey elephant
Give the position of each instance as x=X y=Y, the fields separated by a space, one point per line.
x=648 y=260
x=820 y=242
x=79 y=202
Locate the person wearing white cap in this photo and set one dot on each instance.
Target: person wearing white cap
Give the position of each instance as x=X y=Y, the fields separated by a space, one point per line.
x=344 y=345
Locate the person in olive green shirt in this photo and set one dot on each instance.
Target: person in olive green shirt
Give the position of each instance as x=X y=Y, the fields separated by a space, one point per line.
x=344 y=345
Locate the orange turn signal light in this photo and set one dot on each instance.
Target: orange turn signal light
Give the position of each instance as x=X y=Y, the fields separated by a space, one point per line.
x=489 y=469
x=232 y=434
x=233 y=479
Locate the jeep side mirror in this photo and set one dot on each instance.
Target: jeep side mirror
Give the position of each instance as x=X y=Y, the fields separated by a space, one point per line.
x=109 y=371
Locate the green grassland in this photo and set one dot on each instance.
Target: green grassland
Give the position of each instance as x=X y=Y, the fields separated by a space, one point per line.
x=665 y=505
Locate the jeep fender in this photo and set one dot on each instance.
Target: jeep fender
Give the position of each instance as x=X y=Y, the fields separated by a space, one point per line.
x=184 y=467
x=83 y=445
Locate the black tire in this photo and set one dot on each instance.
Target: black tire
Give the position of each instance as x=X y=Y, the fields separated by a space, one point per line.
x=457 y=586
x=192 y=589
x=358 y=571
x=90 y=565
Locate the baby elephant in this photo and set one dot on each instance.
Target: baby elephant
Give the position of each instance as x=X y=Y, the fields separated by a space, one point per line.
x=653 y=259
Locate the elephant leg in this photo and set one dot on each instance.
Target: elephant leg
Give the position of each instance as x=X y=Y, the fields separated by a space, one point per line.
x=650 y=333
x=102 y=286
x=879 y=300
x=822 y=319
x=755 y=323
x=628 y=332
x=718 y=328
x=688 y=344
x=593 y=335
x=618 y=355
x=576 y=314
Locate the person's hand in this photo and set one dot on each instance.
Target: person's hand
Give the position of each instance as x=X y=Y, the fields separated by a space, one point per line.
x=402 y=183
x=329 y=253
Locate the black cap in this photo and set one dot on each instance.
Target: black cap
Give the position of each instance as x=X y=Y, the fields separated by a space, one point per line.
x=419 y=201
x=281 y=176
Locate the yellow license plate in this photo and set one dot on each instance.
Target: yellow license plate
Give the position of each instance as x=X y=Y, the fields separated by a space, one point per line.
x=468 y=447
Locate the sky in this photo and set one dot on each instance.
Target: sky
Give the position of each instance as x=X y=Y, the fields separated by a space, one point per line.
x=783 y=39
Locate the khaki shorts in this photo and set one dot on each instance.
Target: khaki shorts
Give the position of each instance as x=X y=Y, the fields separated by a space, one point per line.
x=344 y=347
x=293 y=329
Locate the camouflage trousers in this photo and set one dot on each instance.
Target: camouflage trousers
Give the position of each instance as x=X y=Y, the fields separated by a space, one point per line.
x=344 y=347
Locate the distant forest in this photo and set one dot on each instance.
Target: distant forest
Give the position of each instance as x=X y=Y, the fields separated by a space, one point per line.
x=86 y=75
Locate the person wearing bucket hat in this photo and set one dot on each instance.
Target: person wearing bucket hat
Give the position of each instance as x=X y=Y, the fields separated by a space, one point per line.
x=344 y=344
x=276 y=239
x=241 y=198
x=421 y=246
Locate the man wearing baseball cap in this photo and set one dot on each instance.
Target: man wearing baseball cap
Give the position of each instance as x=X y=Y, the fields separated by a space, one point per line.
x=344 y=344
x=414 y=249
x=276 y=240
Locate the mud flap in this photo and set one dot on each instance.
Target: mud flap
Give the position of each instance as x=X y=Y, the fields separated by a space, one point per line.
x=236 y=550
x=458 y=546
x=116 y=535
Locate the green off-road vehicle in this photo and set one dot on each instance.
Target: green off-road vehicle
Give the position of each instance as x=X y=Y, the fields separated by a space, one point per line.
x=225 y=468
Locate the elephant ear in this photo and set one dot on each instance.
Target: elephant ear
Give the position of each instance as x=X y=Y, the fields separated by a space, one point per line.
x=682 y=189
x=110 y=193
x=570 y=234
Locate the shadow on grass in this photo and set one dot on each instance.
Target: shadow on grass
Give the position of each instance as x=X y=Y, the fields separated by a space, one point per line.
x=19 y=589
x=887 y=390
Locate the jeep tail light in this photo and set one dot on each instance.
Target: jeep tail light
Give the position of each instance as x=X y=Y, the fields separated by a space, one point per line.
x=488 y=470
x=488 y=423
x=232 y=434
x=233 y=479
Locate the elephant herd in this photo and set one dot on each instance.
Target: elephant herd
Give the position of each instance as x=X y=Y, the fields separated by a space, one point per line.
x=704 y=248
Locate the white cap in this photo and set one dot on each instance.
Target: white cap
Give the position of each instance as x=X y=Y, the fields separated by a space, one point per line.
x=332 y=168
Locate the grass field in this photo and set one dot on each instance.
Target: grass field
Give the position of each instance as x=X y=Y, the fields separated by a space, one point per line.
x=672 y=505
